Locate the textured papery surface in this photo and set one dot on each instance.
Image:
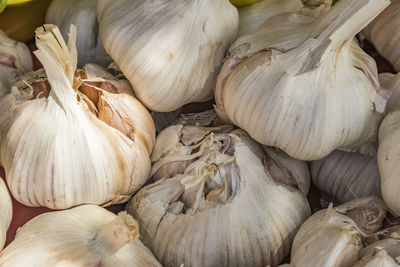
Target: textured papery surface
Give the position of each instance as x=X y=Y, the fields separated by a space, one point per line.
x=170 y=51
x=57 y=152
x=75 y=237
x=15 y=60
x=301 y=84
x=83 y=14
x=5 y=212
x=211 y=184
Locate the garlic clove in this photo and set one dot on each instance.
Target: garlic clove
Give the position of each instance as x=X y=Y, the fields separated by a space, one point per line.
x=5 y=212
x=379 y=258
x=171 y=52
x=298 y=73
x=88 y=236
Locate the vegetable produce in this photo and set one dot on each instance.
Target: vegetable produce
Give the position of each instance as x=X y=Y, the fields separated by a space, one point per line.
x=5 y=212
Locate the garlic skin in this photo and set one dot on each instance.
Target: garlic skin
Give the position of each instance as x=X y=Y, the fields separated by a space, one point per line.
x=15 y=60
x=57 y=152
x=332 y=237
x=82 y=13
x=217 y=186
x=5 y=212
x=380 y=258
x=170 y=51
x=383 y=33
x=88 y=236
x=390 y=245
x=391 y=82
x=298 y=73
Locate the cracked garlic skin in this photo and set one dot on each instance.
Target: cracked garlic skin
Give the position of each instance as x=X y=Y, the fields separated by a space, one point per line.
x=332 y=237
x=5 y=212
x=15 y=60
x=61 y=148
x=87 y=235
x=82 y=13
x=170 y=51
x=216 y=186
x=301 y=84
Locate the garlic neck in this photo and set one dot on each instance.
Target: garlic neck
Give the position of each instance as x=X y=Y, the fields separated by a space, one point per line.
x=116 y=234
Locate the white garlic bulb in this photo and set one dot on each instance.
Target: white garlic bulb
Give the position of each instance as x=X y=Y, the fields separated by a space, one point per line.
x=332 y=237
x=15 y=60
x=211 y=184
x=379 y=258
x=390 y=245
x=82 y=13
x=391 y=82
x=170 y=51
x=5 y=212
x=301 y=84
x=83 y=236
x=383 y=33
x=63 y=148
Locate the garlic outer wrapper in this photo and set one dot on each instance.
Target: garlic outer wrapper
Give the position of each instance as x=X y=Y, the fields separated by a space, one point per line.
x=298 y=73
x=218 y=186
x=81 y=158
x=82 y=13
x=383 y=33
x=15 y=60
x=5 y=212
x=170 y=51
x=87 y=235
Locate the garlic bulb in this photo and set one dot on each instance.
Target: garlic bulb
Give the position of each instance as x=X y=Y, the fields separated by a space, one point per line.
x=390 y=245
x=15 y=60
x=317 y=87
x=76 y=141
x=170 y=51
x=379 y=258
x=383 y=33
x=347 y=175
x=82 y=13
x=211 y=184
x=391 y=82
x=332 y=237
x=88 y=236
x=5 y=212
x=254 y=15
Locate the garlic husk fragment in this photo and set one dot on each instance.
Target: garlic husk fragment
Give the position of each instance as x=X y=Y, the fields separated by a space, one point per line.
x=217 y=186
x=82 y=13
x=170 y=51
x=5 y=212
x=15 y=60
x=298 y=73
x=57 y=152
x=379 y=258
x=347 y=175
x=383 y=33
x=332 y=237
x=83 y=236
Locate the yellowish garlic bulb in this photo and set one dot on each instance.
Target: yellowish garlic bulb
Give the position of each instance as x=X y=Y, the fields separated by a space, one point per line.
x=60 y=147
x=5 y=212
x=332 y=237
x=15 y=60
x=210 y=185
x=170 y=51
x=300 y=83
x=83 y=236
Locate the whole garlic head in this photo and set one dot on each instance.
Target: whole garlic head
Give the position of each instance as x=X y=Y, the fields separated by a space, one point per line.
x=300 y=83
x=379 y=258
x=61 y=148
x=83 y=236
x=170 y=51
x=5 y=212
x=82 y=13
x=211 y=184
x=15 y=60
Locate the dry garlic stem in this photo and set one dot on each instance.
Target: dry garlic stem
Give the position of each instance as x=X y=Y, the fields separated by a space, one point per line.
x=211 y=184
x=301 y=84
x=15 y=60
x=5 y=212
x=60 y=147
x=170 y=51
x=83 y=236
x=332 y=237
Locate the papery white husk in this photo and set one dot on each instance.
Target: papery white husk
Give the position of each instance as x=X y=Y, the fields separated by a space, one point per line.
x=83 y=236
x=57 y=153
x=332 y=237
x=379 y=258
x=170 y=51
x=383 y=33
x=83 y=14
x=301 y=84
x=197 y=218
x=5 y=212
x=15 y=60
